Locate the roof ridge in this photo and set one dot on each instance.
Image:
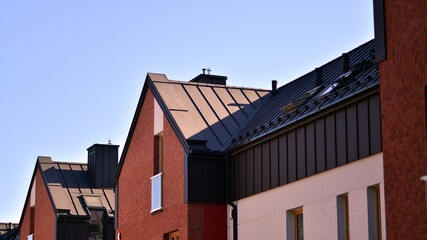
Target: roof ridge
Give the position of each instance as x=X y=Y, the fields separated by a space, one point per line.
x=212 y=85
x=71 y=163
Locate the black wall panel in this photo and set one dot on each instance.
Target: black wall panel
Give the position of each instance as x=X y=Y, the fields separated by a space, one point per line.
x=310 y=142
x=341 y=137
x=274 y=161
x=330 y=141
x=258 y=169
x=375 y=124
x=266 y=167
x=320 y=145
x=292 y=157
x=352 y=139
x=250 y=174
x=363 y=129
x=283 y=159
x=345 y=135
x=301 y=170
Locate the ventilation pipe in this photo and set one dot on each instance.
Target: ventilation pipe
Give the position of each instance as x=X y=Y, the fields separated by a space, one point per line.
x=274 y=87
x=345 y=62
x=319 y=77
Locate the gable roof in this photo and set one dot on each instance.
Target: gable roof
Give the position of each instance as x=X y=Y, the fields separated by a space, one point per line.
x=209 y=113
x=302 y=97
x=204 y=116
x=67 y=185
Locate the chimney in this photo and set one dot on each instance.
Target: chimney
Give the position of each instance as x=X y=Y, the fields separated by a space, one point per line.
x=274 y=87
x=319 y=76
x=209 y=78
x=345 y=62
x=102 y=164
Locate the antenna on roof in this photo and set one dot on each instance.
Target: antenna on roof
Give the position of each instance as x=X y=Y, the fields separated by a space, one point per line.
x=110 y=142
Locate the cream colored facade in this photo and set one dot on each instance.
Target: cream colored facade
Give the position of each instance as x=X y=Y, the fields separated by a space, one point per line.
x=268 y=215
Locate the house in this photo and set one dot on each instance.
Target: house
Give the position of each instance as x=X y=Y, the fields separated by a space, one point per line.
x=171 y=180
x=9 y=231
x=401 y=35
x=69 y=200
x=204 y=160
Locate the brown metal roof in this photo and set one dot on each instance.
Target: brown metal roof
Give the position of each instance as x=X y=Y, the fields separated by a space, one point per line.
x=208 y=112
x=68 y=183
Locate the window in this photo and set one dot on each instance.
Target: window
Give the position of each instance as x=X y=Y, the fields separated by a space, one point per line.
x=95 y=224
x=374 y=213
x=30 y=237
x=343 y=217
x=172 y=236
x=158 y=153
x=298 y=225
x=156 y=193
x=295 y=224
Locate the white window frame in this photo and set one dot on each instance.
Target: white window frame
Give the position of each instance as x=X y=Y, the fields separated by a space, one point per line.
x=156 y=192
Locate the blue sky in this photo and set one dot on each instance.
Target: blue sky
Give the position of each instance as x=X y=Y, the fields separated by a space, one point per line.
x=71 y=72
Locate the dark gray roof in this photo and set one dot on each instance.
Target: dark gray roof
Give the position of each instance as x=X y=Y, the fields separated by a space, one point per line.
x=69 y=183
x=303 y=97
x=8 y=230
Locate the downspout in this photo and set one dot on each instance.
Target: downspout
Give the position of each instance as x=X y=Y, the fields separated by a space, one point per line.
x=229 y=198
x=234 y=216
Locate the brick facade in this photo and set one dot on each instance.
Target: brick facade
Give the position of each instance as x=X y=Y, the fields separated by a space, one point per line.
x=403 y=105
x=134 y=198
x=44 y=215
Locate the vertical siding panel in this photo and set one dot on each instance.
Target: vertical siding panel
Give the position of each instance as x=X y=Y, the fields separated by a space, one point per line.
x=320 y=145
x=330 y=141
x=236 y=177
x=283 y=160
x=363 y=128
x=266 y=166
x=250 y=171
x=292 y=157
x=341 y=138
x=274 y=160
x=352 y=148
x=375 y=124
x=242 y=175
x=301 y=165
x=258 y=169
x=310 y=149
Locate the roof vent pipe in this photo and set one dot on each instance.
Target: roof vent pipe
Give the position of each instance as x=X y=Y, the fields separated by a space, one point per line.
x=274 y=86
x=345 y=63
x=319 y=77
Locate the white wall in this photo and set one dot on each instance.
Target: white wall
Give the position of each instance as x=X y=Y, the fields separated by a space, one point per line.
x=263 y=216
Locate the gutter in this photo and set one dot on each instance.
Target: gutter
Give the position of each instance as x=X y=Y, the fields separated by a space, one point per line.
x=234 y=216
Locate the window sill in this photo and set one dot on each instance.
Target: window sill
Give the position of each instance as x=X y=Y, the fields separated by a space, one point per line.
x=156 y=211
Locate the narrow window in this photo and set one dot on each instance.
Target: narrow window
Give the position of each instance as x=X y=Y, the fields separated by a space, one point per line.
x=95 y=224
x=158 y=153
x=298 y=224
x=295 y=224
x=343 y=217
x=374 y=213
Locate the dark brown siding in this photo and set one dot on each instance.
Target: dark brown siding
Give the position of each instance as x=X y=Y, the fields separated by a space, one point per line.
x=345 y=135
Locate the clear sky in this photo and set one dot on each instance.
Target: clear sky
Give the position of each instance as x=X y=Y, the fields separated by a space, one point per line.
x=71 y=72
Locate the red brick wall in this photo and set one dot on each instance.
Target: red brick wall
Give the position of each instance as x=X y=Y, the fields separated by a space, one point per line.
x=403 y=105
x=44 y=215
x=135 y=220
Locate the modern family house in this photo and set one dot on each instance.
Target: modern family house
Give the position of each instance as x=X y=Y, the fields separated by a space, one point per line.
x=72 y=201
